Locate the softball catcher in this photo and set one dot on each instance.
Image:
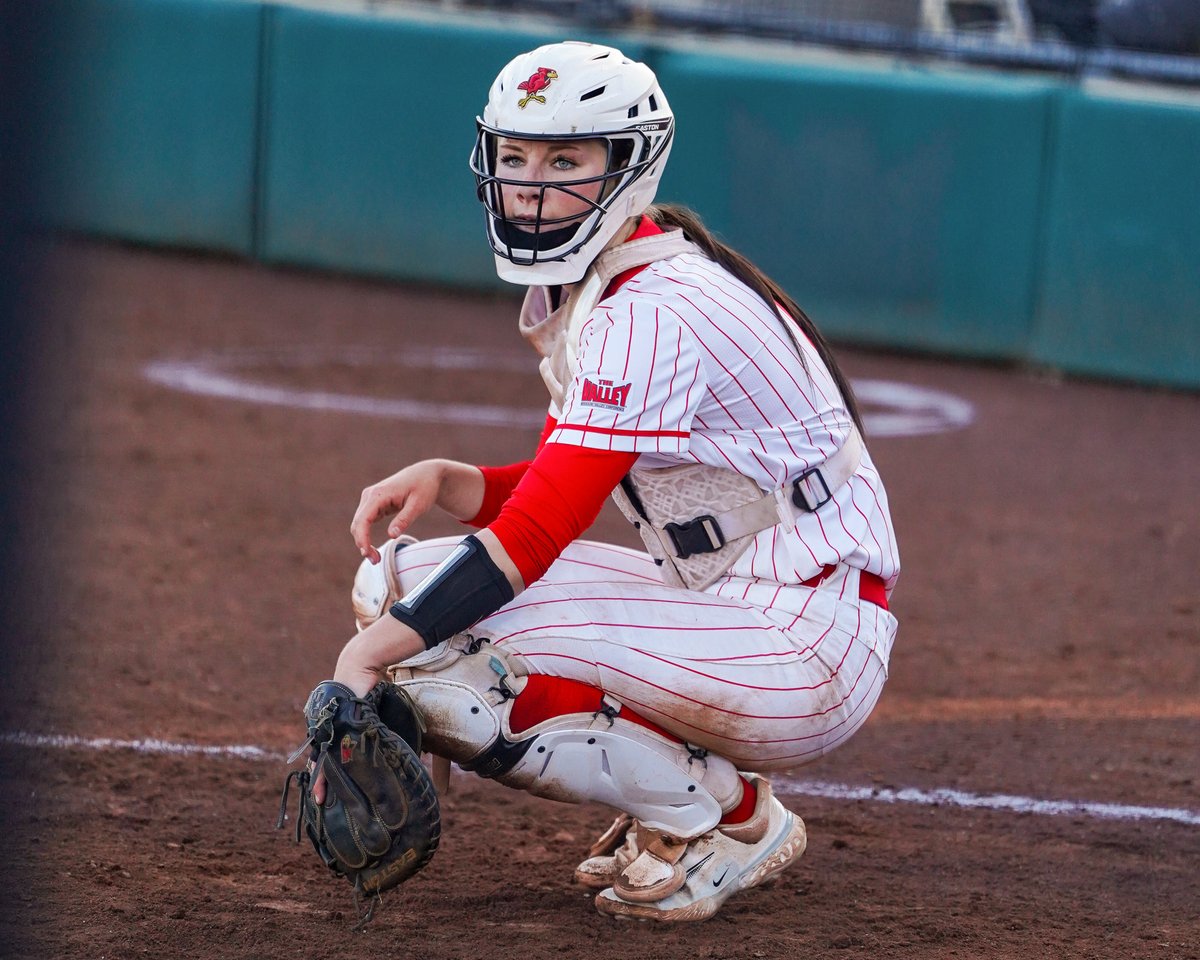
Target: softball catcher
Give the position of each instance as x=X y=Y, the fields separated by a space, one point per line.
x=753 y=634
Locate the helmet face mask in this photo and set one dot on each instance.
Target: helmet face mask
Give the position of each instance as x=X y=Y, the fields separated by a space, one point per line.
x=572 y=92
x=544 y=238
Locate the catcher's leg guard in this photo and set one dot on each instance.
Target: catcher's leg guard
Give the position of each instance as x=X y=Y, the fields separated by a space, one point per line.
x=465 y=690
x=377 y=585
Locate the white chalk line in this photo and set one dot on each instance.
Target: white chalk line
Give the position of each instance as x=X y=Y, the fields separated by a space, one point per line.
x=942 y=797
x=909 y=411
x=151 y=746
x=945 y=797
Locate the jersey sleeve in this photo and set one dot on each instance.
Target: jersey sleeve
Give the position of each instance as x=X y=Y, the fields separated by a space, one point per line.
x=638 y=383
x=499 y=482
x=557 y=499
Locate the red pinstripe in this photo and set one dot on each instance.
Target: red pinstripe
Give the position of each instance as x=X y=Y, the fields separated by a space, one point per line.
x=546 y=602
x=629 y=350
x=771 y=328
x=712 y=443
x=838 y=507
x=716 y=708
x=748 y=395
x=735 y=628
x=753 y=363
x=603 y=347
x=891 y=552
x=866 y=519
x=674 y=368
x=643 y=707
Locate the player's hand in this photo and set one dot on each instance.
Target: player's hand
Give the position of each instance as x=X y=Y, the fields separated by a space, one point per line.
x=364 y=660
x=360 y=679
x=407 y=494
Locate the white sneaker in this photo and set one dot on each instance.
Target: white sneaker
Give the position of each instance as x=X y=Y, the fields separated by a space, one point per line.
x=610 y=854
x=679 y=882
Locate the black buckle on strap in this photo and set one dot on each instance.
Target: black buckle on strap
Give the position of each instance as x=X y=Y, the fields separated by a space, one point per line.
x=698 y=535
x=800 y=496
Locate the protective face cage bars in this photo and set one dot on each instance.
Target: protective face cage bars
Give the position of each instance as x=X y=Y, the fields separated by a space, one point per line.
x=503 y=231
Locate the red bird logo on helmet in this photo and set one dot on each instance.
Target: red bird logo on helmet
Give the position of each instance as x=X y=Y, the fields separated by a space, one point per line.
x=535 y=84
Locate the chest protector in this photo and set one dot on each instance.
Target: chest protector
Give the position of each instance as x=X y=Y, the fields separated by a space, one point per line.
x=696 y=520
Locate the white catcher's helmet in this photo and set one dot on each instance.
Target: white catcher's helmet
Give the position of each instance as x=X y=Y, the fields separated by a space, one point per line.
x=572 y=91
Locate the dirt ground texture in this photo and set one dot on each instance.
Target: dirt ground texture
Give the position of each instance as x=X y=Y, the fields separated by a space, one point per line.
x=190 y=570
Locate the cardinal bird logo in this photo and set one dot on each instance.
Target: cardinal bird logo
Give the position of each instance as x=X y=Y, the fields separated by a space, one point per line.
x=535 y=84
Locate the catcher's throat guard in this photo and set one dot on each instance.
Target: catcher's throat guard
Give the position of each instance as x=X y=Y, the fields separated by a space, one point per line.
x=379 y=822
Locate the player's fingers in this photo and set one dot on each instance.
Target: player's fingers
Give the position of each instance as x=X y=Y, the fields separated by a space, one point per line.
x=402 y=522
x=318 y=788
x=371 y=507
x=413 y=506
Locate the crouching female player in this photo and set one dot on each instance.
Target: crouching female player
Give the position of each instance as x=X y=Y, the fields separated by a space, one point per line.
x=753 y=634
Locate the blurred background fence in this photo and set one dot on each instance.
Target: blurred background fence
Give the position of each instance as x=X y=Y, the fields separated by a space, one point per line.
x=1074 y=36
x=980 y=179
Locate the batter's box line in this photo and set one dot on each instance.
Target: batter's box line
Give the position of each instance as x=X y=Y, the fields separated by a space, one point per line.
x=786 y=785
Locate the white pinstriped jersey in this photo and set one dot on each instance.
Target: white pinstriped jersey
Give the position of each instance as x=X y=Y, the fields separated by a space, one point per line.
x=685 y=364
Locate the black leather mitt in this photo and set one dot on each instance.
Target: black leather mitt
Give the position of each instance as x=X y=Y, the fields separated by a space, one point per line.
x=380 y=822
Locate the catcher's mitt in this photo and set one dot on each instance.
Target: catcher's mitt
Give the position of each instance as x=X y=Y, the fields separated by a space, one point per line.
x=380 y=822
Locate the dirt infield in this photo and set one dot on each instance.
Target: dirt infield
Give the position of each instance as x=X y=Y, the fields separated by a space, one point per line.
x=194 y=568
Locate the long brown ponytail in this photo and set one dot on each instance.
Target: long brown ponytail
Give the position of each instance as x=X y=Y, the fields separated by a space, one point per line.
x=675 y=215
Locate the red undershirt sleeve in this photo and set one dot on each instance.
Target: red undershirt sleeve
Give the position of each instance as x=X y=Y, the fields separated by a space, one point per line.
x=557 y=498
x=499 y=482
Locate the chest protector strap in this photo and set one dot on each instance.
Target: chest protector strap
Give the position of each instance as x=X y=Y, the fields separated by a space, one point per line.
x=695 y=519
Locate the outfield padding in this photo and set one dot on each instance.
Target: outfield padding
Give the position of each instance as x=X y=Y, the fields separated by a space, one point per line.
x=149 y=119
x=899 y=206
x=1120 y=292
x=371 y=124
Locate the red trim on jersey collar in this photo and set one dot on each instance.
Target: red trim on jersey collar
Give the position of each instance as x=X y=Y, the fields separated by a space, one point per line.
x=647 y=228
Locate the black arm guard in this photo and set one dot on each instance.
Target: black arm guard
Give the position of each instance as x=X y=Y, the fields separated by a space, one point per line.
x=466 y=587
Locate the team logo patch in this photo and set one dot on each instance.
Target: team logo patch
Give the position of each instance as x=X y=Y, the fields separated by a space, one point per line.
x=347 y=748
x=534 y=86
x=605 y=394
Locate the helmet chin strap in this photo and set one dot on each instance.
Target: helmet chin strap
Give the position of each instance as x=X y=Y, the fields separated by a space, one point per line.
x=520 y=239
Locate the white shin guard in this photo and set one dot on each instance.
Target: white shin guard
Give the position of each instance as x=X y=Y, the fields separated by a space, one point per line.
x=464 y=690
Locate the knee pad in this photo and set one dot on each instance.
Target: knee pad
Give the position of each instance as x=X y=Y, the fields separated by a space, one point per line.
x=465 y=690
x=377 y=585
x=462 y=688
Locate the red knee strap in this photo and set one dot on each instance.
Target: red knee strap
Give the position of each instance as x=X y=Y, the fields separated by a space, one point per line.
x=545 y=697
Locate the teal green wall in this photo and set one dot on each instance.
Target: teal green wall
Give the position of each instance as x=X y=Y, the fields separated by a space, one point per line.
x=370 y=124
x=1120 y=290
x=367 y=133
x=149 y=118
x=899 y=206
x=947 y=210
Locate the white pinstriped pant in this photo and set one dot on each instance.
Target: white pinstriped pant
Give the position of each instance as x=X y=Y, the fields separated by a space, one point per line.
x=767 y=687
